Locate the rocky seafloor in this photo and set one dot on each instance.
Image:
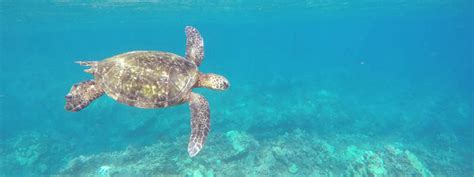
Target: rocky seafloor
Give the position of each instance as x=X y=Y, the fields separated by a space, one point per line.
x=239 y=154
x=318 y=132
x=236 y=153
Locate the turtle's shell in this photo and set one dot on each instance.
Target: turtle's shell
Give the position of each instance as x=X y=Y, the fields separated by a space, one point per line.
x=147 y=79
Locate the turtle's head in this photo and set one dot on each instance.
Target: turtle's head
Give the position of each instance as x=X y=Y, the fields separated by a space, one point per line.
x=212 y=81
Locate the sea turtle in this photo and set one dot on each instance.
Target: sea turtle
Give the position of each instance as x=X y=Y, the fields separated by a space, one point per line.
x=153 y=79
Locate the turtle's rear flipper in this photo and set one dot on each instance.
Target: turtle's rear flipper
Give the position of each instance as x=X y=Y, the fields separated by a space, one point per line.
x=200 y=123
x=82 y=94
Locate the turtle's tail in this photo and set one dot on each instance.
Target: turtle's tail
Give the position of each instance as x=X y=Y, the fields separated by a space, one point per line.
x=87 y=63
x=92 y=64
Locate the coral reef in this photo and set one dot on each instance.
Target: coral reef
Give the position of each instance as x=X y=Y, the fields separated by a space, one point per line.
x=128 y=162
x=404 y=162
x=368 y=164
x=31 y=153
x=237 y=154
x=387 y=161
x=28 y=148
x=238 y=140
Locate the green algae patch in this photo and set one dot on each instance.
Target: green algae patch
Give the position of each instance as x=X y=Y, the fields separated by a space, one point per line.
x=238 y=140
x=352 y=152
x=368 y=164
x=417 y=165
x=293 y=168
x=375 y=164
x=404 y=163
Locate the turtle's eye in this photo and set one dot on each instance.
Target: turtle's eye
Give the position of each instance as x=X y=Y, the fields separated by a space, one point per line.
x=223 y=83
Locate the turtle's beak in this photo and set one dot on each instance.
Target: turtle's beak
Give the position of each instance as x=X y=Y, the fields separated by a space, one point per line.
x=226 y=84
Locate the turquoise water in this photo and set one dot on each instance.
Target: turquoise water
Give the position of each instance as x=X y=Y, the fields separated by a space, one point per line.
x=319 y=88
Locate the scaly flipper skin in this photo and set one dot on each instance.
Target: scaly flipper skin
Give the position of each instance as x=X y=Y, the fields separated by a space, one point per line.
x=194 y=45
x=200 y=123
x=82 y=94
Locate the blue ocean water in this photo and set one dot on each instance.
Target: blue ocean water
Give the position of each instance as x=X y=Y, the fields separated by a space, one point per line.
x=318 y=88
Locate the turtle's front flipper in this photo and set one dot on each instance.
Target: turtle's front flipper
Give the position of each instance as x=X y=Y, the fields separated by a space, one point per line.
x=200 y=123
x=194 y=45
x=82 y=94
